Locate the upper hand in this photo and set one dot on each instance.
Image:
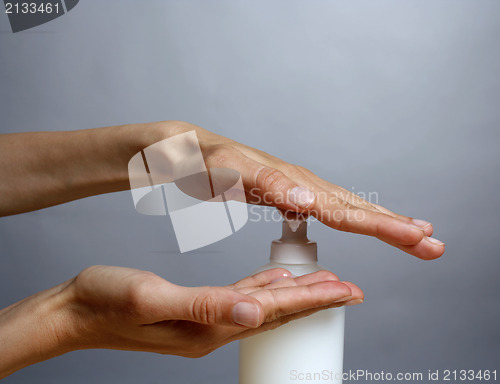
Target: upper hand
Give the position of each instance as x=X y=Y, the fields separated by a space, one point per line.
x=271 y=181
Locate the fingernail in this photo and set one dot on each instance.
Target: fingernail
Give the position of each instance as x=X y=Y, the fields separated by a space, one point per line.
x=246 y=314
x=347 y=298
x=417 y=227
x=421 y=223
x=301 y=197
x=354 y=302
x=435 y=241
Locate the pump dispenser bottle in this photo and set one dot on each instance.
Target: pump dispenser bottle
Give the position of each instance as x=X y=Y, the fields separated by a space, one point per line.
x=307 y=350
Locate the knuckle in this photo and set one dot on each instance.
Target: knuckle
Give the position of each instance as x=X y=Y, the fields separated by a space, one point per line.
x=206 y=308
x=268 y=178
x=293 y=169
x=219 y=155
x=84 y=280
x=87 y=272
x=175 y=126
x=139 y=292
x=287 y=168
x=303 y=169
x=277 y=311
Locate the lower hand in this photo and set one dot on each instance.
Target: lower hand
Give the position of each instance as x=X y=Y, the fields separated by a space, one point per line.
x=129 y=309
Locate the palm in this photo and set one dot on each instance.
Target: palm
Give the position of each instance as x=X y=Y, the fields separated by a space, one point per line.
x=138 y=310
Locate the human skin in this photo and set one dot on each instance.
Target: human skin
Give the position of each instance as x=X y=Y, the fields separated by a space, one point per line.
x=42 y=169
x=129 y=309
x=119 y=308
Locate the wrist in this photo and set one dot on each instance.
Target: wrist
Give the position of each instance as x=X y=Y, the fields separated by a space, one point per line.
x=118 y=144
x=98 y=158
x=36 y=329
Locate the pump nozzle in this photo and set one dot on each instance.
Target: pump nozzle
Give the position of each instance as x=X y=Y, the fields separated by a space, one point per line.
x=293 y=219
x=294 y=247
x=294 y=223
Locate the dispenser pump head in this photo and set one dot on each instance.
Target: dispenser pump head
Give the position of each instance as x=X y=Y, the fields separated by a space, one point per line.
x=294 y=247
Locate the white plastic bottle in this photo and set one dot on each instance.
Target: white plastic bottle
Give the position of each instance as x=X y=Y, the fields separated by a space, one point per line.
x=307 y=350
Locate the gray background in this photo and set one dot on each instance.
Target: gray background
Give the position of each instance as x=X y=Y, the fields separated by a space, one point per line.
x=401 y=98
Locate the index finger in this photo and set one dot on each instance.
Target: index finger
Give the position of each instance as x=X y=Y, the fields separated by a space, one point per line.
x=281 y=302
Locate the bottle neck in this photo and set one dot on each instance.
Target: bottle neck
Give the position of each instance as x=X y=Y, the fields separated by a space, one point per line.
x=294 y=247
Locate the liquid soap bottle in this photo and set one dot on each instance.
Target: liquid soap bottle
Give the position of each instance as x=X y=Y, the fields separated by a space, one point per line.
x=306 y=350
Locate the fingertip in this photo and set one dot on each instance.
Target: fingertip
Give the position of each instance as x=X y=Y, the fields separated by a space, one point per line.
x=427 y=249
x=435 y=250
x=434 y=241
x=335 y=289
x=425 y=225
x=356 y=292
x=428 y=229
x=354 y=302
x=420 y=223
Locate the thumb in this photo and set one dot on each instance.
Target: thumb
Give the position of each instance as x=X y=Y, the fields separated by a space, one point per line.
x=265 y=185
x=272 y=187
x=215 y=306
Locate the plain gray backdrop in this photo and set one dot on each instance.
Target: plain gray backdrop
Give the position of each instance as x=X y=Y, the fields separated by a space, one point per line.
x=400 y=98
